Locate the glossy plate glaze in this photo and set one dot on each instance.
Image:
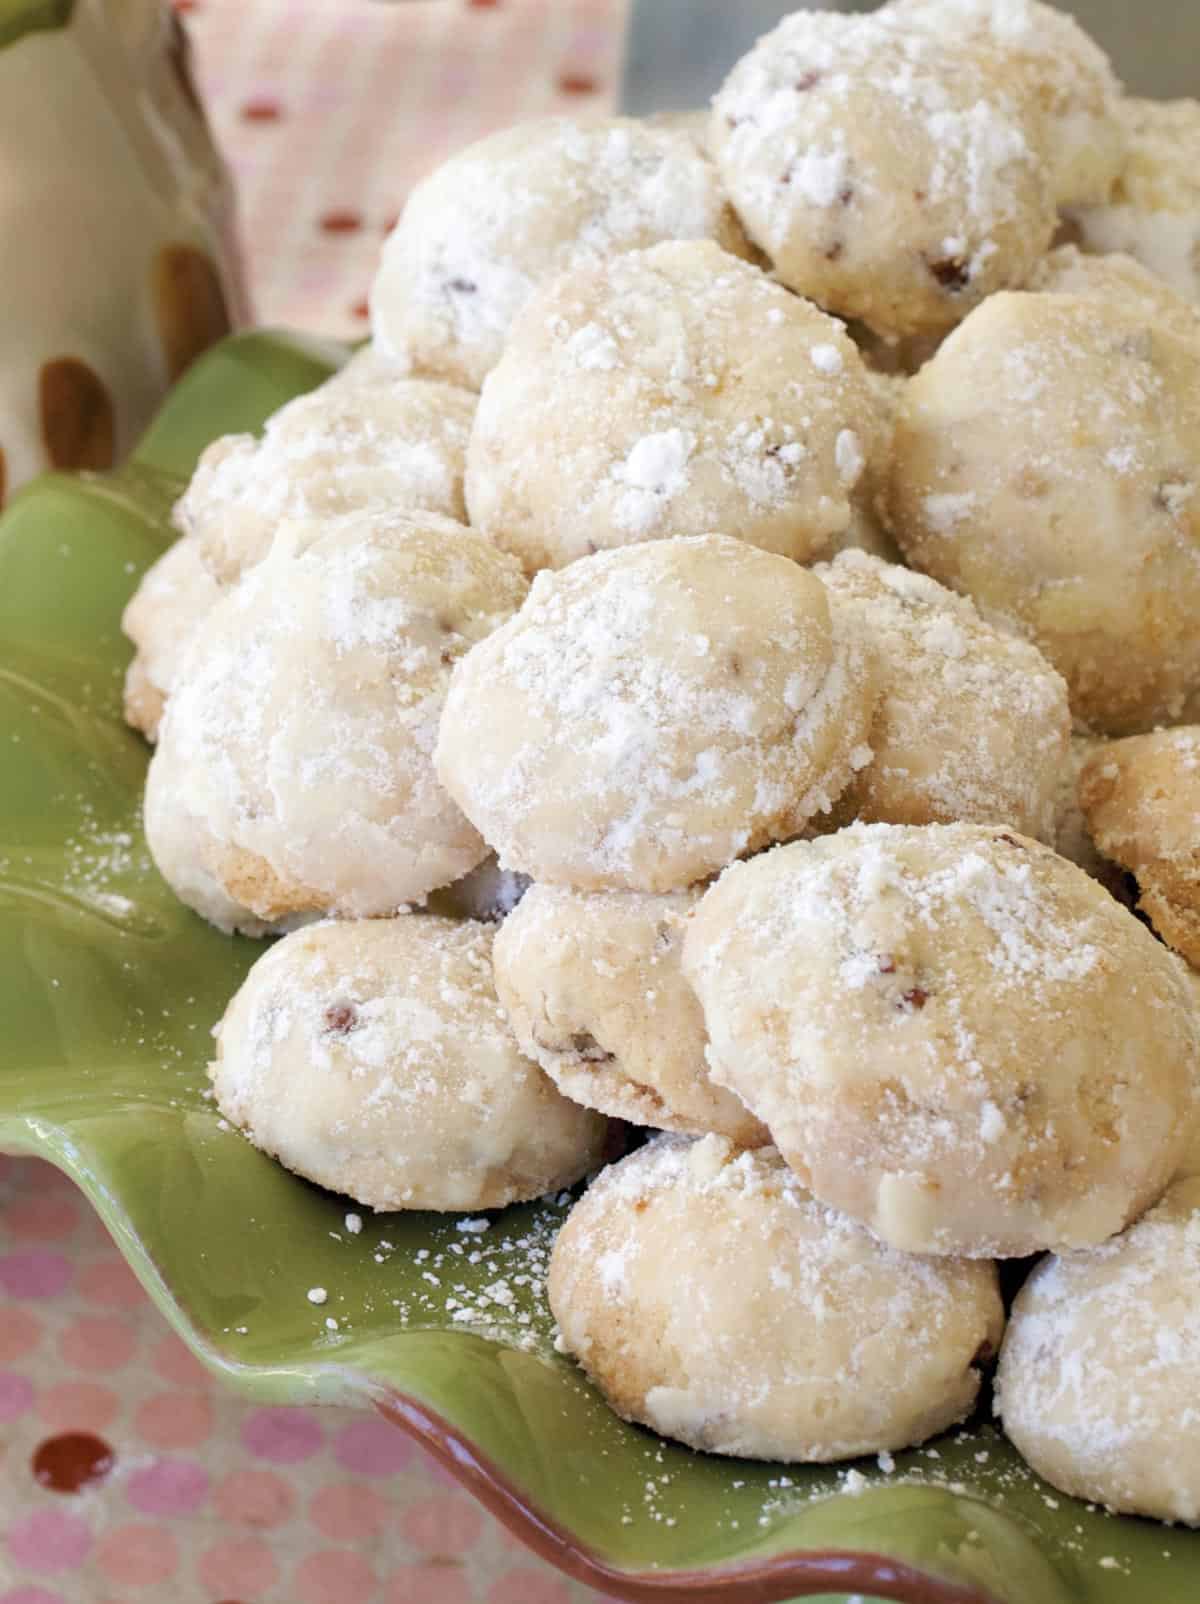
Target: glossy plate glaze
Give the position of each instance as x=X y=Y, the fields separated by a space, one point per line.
x=108 y=988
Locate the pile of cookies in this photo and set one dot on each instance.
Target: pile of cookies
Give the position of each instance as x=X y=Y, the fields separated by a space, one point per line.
x=718 y=665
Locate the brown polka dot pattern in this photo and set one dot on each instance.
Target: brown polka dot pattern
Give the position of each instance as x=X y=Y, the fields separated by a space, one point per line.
x=262 y=111
x=341 y=222
x=189 y=305
x=78 y=421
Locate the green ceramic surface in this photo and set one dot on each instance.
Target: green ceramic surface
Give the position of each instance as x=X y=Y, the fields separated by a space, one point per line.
x=108 y=988
x=19 y=17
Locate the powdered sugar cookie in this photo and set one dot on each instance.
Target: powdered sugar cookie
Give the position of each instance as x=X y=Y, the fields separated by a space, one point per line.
x=1069 y=271
x=1153 y=212
x=352 y=445
x=972 y=722
x=951 y=1033
x=406 y=447
x=373 y=1058
x=653 y=713
x=670 y=392
x=294 y=765
x=591 y=985
x=1047 y=463
x=1067 y=72
x=501 y=218
x=175 y=593
x=1141 y=800
x=1100 y=1367
x=686 y=1281
x=890 y=175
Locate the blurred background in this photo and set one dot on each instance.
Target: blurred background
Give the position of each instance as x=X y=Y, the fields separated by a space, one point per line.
x=677 y=50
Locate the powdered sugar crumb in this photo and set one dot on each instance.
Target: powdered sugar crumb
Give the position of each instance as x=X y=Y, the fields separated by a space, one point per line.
x=945 y=512
x=654 y=472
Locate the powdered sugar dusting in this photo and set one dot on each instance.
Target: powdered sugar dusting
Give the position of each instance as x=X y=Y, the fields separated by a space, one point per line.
x=653 y=473
x=828 y=358
x=391 y=445
x=884 y=167
x=655 y=1246
x=1047 y=51
x=507 y=214
x=1099 y=1374
x=651 y=711
x=302 y=730
x=928 y=1020
x=657 y=397
x=373 y=1058
x=946 y=511
x=973 y=722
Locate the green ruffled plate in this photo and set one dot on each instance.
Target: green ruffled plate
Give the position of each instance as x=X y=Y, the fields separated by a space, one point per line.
x=108 y=988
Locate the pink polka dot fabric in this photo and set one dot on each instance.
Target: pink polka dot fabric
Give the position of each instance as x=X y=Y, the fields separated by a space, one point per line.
x=128 y=1474
x=328 y=114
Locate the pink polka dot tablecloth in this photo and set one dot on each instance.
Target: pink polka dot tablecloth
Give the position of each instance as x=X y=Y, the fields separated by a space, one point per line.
x=126 y=1473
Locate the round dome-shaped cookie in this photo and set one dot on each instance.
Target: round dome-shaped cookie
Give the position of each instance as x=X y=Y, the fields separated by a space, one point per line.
x=685 y=1282
x=1153 y=212
x=349 y=446
x=972 y=723
x=1101 y=1366
x=591 y=984
x=372 y=1057
x=1069 y=271
x=294 y=764
x=1141 y=800
x=951 y=1033
x=161 y=616
x=501 y=218
x=654 y=712
x=1047 y=463
x=891 y=176
x=670 y=392
x=1064 y=68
